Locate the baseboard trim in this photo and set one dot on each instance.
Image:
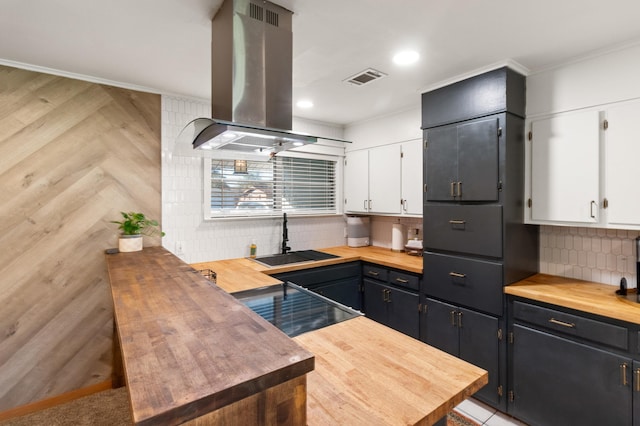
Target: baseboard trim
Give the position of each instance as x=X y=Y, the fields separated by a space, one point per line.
x=53 y=401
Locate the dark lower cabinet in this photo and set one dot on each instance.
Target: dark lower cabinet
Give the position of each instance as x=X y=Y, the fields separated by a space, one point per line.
x=569 y=367
x=392 y=306
x=560 y=382
x=636 y=393
x=469 y=335
x=345 y=291
x=337 y=282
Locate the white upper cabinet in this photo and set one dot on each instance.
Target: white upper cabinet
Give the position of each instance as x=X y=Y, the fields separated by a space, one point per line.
x=584 y=168
x=356 y=181
x=373 y=180
x=384 y=180
x=622 y=169
x=412 y=194
x=564 y=151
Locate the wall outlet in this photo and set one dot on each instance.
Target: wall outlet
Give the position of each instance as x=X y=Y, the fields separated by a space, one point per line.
x=179 y=248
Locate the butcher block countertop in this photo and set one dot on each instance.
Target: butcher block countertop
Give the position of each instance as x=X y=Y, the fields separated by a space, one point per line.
x=585 y=296
x=243 y=274
x=188 y=347
x=369 y=374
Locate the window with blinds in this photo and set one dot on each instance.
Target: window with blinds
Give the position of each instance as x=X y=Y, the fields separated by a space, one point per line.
x=282 y=184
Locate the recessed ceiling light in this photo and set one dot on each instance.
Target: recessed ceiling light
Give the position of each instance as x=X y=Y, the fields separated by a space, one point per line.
x=406 y=57
x=305 y=103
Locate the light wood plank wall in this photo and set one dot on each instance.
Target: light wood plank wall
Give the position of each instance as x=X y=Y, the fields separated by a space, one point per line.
x=73 y=154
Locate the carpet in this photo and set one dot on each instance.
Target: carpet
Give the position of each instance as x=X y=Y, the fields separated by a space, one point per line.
x=106 y=408
x=456 y=419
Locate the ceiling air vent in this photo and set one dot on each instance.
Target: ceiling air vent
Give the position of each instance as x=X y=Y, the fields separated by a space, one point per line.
x=365 y=77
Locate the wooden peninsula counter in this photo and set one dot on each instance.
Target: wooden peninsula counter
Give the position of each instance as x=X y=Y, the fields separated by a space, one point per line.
x=191 y=351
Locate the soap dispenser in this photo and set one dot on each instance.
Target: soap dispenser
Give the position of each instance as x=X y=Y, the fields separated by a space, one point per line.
x=253 y=249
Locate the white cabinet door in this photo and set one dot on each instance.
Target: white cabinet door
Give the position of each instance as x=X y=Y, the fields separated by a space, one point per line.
x=412 y=195
x=356 y=181
x=565 y=168
x=622 y=171
x=384 y=180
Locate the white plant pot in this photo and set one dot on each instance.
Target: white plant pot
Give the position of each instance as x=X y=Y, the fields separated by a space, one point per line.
x=129 y=243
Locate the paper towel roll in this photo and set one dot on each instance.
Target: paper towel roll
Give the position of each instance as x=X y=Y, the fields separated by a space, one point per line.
x=397 y=237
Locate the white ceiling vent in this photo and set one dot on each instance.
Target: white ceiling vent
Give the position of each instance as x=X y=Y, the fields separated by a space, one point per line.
x=365 y=77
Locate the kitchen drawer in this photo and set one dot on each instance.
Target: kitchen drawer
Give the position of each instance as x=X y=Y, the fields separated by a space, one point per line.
x=471 y=229
x=573 y=325
x=472 y=283
x=404 y=280
x=375 y=272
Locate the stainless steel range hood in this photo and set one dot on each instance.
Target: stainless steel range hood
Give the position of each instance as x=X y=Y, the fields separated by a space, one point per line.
x=251 y=82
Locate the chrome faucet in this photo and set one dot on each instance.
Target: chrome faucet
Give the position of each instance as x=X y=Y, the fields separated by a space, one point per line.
x=285 y=236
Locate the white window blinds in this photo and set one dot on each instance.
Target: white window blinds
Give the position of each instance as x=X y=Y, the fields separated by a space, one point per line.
x=294 y=185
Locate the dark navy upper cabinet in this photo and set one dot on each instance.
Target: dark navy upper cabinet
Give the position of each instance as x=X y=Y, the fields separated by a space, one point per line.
x=462 y=161
x=496 y=91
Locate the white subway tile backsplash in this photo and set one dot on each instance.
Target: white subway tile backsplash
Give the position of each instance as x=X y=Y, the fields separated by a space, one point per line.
x=594 y=254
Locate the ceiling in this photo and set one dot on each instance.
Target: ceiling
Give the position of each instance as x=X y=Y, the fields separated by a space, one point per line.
x=164 y=45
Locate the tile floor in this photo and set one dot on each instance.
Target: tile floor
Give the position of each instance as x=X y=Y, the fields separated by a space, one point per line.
x=485 y=415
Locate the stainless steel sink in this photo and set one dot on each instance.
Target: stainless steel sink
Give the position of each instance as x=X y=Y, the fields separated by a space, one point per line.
x=293 y=257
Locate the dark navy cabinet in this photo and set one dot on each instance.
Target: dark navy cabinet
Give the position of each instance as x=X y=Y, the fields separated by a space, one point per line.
x=467 y=334
x=571 y=368
x=474 y=237
x=341 y=283
x=462 y=161
x=391 y=298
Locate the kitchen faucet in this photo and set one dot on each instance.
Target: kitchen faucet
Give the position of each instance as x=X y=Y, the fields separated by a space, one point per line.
x=285 y=236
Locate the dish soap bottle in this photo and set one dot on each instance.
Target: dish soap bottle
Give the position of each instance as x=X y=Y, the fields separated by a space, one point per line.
x=253 y=249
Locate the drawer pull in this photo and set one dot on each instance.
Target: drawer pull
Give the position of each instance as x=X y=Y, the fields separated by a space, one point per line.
x=457 y=222
x=637 y=379
x=402 y=280
x=373 y=273
x=457 y=275
x=562 y=323
x=623 y=374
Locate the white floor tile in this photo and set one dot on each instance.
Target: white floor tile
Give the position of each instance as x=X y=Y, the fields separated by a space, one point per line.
x=501 y=419
x=475 y=409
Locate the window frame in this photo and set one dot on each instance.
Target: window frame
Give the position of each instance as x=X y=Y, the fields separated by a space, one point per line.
x=273 y=213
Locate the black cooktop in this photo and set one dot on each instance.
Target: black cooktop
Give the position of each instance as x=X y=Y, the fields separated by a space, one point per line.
x=293 y=309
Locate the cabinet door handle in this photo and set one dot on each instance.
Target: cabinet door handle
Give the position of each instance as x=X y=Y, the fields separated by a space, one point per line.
x=459 y=189
x=459 y=319
x=384 y=294
x=453 y=189
x=562 y=323
x=452 y=314
x=636 y=373
x=402 y=280
x=593 y=203
x=457 y=275
x=365 y=204
x=388 y=296
x=623 y=374
x=457 y=222
x=404 y=205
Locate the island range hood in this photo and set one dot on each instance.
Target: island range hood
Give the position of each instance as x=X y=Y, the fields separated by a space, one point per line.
x=251 y=83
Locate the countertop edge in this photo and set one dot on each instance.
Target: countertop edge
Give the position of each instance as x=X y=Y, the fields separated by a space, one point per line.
x=585 y=296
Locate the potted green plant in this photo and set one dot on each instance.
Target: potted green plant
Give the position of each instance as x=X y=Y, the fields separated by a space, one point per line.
x=133 y=226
